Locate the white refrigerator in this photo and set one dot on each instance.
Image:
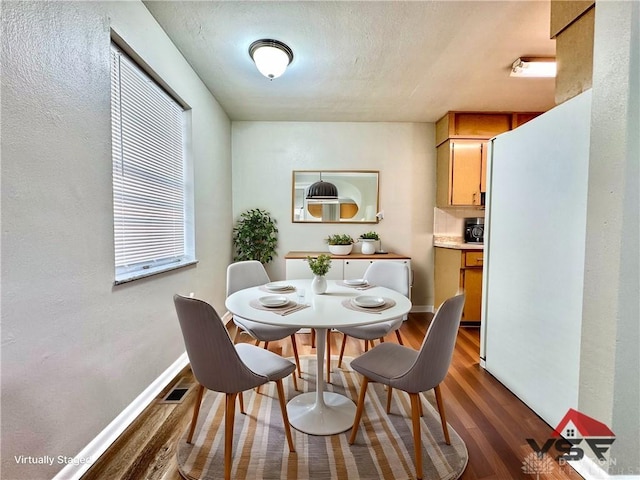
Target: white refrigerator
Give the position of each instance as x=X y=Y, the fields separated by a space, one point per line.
x=535 y=230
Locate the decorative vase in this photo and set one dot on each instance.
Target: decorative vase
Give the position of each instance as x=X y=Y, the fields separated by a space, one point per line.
x=319 y=284
x=340 y=249
x=368 y=246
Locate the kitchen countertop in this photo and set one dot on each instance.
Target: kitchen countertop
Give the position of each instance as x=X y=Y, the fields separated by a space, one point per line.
x=456 y=243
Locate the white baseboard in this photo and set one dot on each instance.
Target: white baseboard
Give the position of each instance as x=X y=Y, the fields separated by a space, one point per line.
x=422 y=308
x=106 y=437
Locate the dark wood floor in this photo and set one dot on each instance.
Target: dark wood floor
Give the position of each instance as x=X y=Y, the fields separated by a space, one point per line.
x=493 y=423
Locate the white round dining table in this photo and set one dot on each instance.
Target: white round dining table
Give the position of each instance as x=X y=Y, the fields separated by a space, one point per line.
x=319 y=412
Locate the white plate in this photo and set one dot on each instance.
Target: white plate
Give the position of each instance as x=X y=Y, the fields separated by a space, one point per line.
x=367 y=301
x=273 y=301
x=277 y=286
x=356 y=282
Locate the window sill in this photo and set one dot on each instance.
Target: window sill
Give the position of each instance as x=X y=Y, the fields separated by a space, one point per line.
x=132 y=276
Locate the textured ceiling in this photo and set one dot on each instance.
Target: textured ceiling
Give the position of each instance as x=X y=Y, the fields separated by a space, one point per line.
x=386 y=61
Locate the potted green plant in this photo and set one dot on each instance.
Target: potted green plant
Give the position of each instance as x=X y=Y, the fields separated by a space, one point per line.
x=340 y=244
x=368 y=242
x=255 y=236
x=319 y=267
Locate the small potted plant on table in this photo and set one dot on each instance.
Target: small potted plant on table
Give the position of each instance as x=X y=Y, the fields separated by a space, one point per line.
x=340 y=244
x=320 y=267
x=368 y=242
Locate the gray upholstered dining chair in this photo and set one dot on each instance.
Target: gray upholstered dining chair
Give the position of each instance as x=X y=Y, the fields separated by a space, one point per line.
x=220 y=366
x=393 y=275
x=413 y=371
x=251 y=273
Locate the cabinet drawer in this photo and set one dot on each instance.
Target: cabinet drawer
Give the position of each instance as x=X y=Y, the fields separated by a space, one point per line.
x=473 y=259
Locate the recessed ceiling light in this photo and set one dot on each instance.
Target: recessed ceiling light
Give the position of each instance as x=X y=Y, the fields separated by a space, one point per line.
x=534 y=67
x=271 y=57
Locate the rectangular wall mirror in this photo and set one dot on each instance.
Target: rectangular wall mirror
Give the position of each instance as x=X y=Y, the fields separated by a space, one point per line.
x=335 y=196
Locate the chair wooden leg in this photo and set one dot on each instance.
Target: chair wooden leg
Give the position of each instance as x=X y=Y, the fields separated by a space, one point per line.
x=366 y=346
x=313 y=338
x=399 y=337
x=417 y=444
x=381 y=340
x=359 y=409
x=241 y=401
x=236 y=335
x=389 y=393
x=257 y=342
x=295 y=354
x=285 y=417
x=344 y=344
x=297 y=359
x=266 y=347
x=443 y=417
x=328 y=355
x=229 y=415
x=196 y=410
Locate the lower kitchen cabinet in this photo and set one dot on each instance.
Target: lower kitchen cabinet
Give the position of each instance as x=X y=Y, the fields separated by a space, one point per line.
x=460 y=269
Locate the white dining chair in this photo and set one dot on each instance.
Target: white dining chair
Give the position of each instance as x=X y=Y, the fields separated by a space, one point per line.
x=251 y=273
x=393 y=275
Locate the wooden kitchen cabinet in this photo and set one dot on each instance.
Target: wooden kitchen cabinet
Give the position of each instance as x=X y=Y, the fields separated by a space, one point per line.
x=457 y=269
x=462 y=140
x=461 y=173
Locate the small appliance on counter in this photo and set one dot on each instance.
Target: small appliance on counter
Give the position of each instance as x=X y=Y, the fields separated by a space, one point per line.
x=474 y=230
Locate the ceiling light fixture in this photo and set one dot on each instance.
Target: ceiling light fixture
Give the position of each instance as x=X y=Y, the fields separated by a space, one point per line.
x=271 y=57
x=533 y=67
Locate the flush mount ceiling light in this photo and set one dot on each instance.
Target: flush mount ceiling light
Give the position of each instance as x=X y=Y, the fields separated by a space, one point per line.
x=534 y=67
x=271 y=57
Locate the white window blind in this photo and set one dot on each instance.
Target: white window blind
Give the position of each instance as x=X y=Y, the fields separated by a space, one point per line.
x=149 y=182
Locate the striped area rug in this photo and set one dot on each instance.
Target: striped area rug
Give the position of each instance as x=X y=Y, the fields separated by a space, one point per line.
x=383 y=449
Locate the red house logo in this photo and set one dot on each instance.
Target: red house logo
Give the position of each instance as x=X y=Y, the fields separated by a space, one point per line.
x=573 y=429
x=578 y=425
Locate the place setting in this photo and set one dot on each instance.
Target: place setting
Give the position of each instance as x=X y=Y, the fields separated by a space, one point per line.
x=356 y=283
x=278 y=287
x=279 y=304
x=368 y=303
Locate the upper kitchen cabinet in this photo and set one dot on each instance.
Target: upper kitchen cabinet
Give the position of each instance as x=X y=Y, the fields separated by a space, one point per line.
x=461 y=141
x=461 y=171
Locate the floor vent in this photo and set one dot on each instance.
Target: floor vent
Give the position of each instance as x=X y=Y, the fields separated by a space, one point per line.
x=176 y=394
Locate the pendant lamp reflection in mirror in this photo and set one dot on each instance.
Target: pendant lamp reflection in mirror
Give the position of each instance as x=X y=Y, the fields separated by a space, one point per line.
x=322 y=189
x=271 y=57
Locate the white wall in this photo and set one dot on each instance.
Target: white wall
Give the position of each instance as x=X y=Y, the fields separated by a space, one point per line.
x=266 y=153
x=610 y=357
x=75 y=349
x=534 y=276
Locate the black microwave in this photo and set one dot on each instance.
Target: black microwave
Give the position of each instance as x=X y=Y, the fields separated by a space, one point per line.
x=474 y=230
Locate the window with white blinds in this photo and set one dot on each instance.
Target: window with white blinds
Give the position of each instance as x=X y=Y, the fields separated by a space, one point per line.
x=149 y=174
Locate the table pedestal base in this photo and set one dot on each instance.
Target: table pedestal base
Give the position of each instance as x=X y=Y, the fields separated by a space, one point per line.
x=334 y=415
